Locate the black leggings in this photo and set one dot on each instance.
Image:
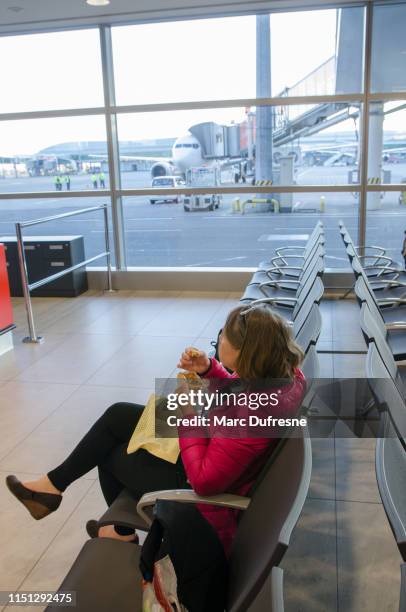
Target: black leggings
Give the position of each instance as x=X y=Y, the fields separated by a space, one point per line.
x=105 y=446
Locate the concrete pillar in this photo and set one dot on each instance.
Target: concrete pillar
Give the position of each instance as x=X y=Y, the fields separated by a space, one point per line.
x=263 y=145
x=376 y=118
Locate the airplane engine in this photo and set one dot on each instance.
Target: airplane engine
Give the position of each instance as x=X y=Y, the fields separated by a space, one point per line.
x=162 y=169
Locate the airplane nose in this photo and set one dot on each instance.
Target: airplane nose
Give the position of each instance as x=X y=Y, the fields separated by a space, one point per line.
x=180 y=158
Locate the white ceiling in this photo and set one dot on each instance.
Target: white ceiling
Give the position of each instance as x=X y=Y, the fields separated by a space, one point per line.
x=29 y=15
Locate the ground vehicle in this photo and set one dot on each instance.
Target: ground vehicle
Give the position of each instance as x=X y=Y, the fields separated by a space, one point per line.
x=204 y=176
x=163 y=182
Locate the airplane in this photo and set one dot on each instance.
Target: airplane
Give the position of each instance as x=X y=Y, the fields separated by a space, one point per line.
x=186 y=153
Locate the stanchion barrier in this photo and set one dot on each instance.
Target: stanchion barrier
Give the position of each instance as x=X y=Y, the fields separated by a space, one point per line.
x=28 y=287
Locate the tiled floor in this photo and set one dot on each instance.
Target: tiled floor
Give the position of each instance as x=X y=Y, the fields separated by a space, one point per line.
x=100 y=349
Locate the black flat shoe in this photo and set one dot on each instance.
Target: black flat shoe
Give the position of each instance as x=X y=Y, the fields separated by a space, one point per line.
x=39 y=505
x=92 y=528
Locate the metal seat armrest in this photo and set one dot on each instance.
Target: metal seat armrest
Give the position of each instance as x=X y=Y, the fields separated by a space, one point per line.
x=285 y=257
x=390 y=283
x=382 y=269
x=282 y=269
x=278 y=283
x=396 y=326
x=187 y=496
x=291 y=257
x=391 y=301
x=273 y=300
x=377 y=259
x=280 y=250
x=123 y=512
x=370 y=247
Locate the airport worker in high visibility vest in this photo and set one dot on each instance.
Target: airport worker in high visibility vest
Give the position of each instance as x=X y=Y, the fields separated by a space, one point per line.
x=67 y=181
x=102 y=180
x=94 y=180
x=58 y=182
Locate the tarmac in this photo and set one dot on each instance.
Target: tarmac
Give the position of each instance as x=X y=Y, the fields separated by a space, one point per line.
x=164 y=234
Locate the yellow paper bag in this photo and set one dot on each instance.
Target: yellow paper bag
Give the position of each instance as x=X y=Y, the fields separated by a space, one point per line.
x=144 y=436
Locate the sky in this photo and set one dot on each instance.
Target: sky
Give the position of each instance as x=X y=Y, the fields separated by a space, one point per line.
x=154 y=63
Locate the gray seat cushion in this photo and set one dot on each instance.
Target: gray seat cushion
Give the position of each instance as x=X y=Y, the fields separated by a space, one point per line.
x=105 y=577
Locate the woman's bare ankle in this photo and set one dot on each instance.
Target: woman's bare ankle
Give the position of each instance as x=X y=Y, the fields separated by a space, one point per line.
x=42 y=485
x=108 y=531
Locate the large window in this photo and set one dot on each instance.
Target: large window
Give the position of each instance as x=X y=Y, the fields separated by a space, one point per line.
x=55 y=154
x=236 y=231
x=185 y=61
x=90 y=225
x=386 y=209
x=50 y=71
x=173 y=142
x=388 y=61
x=386 y=213
x=225 y=140
x=317 y=52
x=231 y=134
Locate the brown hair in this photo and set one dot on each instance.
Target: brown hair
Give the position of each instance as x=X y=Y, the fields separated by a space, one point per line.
x=264 y=339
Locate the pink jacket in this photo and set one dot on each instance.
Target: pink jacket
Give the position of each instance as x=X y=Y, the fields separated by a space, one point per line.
x=218 y=464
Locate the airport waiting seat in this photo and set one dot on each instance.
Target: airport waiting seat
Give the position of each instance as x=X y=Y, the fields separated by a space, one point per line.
x=286 y=288
x=290 y=308
x=373 y=258
x=288 y=263
x=381 y=364
x=282 y=274
x=311 y=369
x=385 y=389
x=388 y=286
x=308 y=333
x=390 y=466
x=391 y=310
x=373 y=325
x=106 y=577
x=375 y=264
x=283 y=255
x=316 y=236
x=311 y=366
x=270 y=597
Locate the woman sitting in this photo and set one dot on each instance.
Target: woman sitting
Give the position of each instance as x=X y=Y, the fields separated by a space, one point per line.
x=256 y=345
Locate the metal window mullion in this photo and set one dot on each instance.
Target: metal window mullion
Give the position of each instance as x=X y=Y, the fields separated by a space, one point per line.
x=249 y=190
x=33 y=195
x=237 y=189
x=362 y=213
x=237 y=103
x=113 y=147
x=195 y=105
x=204 y=104
x=53 y=114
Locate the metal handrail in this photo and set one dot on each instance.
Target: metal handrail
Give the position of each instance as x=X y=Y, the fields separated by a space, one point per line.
x=28 y=287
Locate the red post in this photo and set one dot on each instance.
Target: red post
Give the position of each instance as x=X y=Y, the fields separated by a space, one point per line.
x=6 y=310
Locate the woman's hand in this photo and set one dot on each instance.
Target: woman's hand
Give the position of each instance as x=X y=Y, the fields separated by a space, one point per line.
x=194 y=360
x=184 y=389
